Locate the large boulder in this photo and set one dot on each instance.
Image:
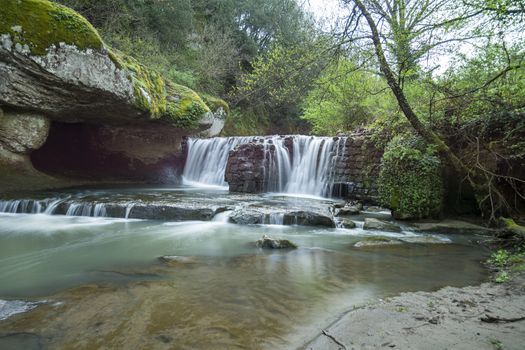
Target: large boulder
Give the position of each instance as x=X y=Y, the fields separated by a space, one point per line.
x=380 y=225
x=22 y=133
x=53 y=61
x=270 y=243
x=54 y=64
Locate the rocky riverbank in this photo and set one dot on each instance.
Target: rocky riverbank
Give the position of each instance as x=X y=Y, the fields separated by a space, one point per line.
x=488 y=316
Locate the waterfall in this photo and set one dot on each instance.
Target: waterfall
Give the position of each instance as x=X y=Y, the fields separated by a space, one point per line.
x=52 y=206
x=207 y=159
x=293 y=164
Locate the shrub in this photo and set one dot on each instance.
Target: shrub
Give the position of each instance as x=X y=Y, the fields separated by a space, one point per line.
x=410 y=179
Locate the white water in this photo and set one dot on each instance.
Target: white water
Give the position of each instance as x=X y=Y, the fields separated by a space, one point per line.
x=307 y=169
x=50 y=206
x=207 y=158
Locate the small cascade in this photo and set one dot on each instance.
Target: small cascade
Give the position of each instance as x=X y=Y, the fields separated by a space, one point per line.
x=292 y=164
x=22 y=206
x=207 y=159
x=128 y=210
x=273 y=219
x=222 y=217
x=52 y=206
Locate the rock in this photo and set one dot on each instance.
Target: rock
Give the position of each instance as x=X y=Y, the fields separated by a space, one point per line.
x=380 y=225
x=352 y=210
x=308 y=218
x=269 y=243
x=253 y=215
x=247 y=217
x=22 y=132
x=54 y=64
x=174 y=260
x=376 y=241
x=449 y=226
x=424 y=240
x=246 y=168
x=347 y=223
x=70 y=74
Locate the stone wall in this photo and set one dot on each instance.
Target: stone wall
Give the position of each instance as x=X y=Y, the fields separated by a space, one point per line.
x=357 y=165
x=246 y=168
x=357 y=169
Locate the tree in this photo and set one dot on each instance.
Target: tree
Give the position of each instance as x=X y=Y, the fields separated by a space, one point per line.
x=425 y=13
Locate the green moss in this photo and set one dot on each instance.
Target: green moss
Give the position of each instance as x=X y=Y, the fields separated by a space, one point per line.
x=511 y=226
x=149 y=88
x=184 y=106
x=215 y=103
x=40 y=24
x=410 y=179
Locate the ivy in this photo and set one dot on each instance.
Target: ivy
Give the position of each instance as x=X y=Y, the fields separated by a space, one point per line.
x=410 y=179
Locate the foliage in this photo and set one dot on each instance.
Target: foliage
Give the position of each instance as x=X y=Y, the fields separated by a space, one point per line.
x=410 y=179
x=280 y=79
x=500 y=258
x=40 y=24
x=344 y=98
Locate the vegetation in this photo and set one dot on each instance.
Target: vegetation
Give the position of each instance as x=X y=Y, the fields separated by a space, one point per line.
x=40 y=24
x=508 y=263
x=280 y=73
x=410 y=179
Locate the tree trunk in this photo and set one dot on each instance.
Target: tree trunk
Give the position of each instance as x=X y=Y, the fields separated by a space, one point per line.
x=480 y=188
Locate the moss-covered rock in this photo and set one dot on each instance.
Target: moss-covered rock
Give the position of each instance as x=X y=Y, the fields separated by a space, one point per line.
x=39 y=24
x=410 y=181
x=96 y=83
x=215 y=103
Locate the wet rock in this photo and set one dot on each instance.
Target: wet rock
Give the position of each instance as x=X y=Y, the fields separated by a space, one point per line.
x=348 y=210
x=449 y=226
x=308 y=218
x=174 y=260
x=246 y=217
x=245 y=168
x=347 y=223
x=380 y=225
x=269 y=243
x=376 y=241
x=170 y=212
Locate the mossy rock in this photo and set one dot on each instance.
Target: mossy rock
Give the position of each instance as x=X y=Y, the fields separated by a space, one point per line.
x=184 y=106
x=40 y=24
x=36 y=25
x=215 y=103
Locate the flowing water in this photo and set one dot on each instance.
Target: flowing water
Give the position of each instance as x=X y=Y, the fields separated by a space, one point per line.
x=309 y=171
x=92 y=281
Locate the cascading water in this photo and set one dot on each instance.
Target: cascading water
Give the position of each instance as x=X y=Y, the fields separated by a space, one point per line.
x=293 y=164
x=207 y=159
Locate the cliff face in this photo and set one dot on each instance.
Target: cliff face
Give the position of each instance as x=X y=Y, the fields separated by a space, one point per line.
x=55 y=66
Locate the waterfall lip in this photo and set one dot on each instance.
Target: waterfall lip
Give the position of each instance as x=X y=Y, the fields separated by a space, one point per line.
x=298 y=165
x=196 y=184
x=297 y=195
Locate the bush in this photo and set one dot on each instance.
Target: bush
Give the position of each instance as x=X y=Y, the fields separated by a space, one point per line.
x=410 y=181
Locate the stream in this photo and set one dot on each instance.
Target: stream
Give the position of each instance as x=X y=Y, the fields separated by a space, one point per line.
x=90 y=279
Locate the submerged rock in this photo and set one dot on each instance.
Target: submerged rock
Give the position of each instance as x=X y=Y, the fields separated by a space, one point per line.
x=269 y=243
x=173 y=260
x=380 y=225
x=449 y=226
x=377 y=241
